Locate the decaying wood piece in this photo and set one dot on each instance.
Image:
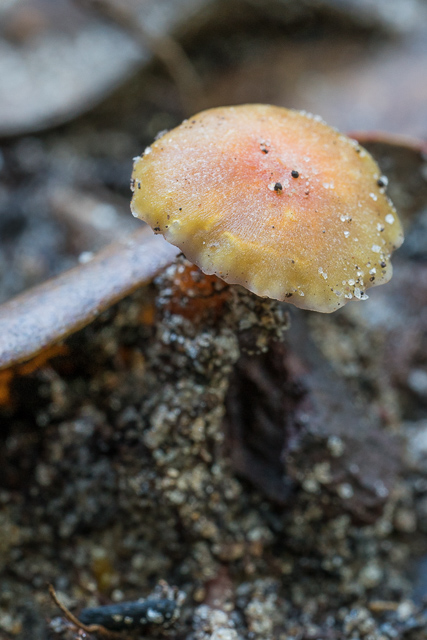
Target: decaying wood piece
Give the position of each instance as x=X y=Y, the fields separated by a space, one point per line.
x=51 y=311
x=292 y=423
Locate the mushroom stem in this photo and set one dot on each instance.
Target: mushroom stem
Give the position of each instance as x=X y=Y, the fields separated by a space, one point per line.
x=203 y=327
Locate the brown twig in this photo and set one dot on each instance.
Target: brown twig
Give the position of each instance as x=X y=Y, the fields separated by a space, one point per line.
x=93 y=628
x=61 y=306
x=164 y=47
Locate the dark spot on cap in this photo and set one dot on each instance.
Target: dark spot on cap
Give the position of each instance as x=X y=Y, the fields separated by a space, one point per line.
x=278 y=187
x=294 y=173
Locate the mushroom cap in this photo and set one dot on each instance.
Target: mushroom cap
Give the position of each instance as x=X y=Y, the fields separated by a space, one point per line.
x=271 y=199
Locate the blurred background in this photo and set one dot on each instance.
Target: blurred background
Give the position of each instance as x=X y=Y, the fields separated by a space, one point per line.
x=86 y=85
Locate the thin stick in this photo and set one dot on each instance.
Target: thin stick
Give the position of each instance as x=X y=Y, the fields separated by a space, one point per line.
x=48 y=313
x=93 y=628
x=163 y=46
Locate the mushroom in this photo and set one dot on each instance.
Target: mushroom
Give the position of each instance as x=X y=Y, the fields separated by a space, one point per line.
x=271 y=199
x=259 y=196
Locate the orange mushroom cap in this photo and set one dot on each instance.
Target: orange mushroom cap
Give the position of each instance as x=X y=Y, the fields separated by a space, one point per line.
x=271 y=199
